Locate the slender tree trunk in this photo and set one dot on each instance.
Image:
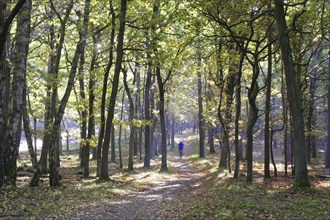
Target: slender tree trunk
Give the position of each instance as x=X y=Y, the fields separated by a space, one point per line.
x=53 y=70
x=147 y=152
x=168 y=128
x=285 y=122
x=91 y=97
x=309 y=121
x=19 y=77
x=271 y=150
x=294 y=98
x=153 y=120
x=138 y=109
x=162 y=120
x=229 y=92
x=201 y=122
x=132 y=127
x=327 y=156
x=267 y=111
x=210 y=134
x=43 y=161
x=83 y=120
x=172 y=132
x=120 y=131
x=54 y=177
x=104 y=91
x=238 y=140
x=105 y=147
x=253 y=116
x=113 y=145
x=27 y=130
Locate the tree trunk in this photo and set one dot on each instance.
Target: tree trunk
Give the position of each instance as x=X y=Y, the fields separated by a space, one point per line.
x=210 y=134
x=53 y=70
x=138 y=109
x=132 y=126
x=201 y=120
x=327 y=155
x=120 y=131
x=105 y=147
x=172 y=132
x=253 y=116
x=267 y=111
x=113 y=145
x=5 y=23
x=238 y=140
x=285 y=123
x=104 y=91
x=54 y=177
x=153 y=119
x=272 y=152
x=84 y=148
x=294 y=99
x=162 y=119
x=229 y=92
x=309 y=121
x=19 y=77
x=91 y=99
x=43 y=161
x=33 y=154
x=147 y=152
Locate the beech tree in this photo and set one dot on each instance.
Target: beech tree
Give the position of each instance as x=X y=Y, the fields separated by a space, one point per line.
x=294 y=98
x=105 y=147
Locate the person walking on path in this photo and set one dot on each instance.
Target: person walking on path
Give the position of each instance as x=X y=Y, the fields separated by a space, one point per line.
x=181 y=145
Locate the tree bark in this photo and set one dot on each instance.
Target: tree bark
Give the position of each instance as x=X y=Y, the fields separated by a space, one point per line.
x=120 y=131
x=104 y=91
x=160 y=83
x=201 y=120
x=91 y=98
x=229 y=92
x=285 y=123
x=113 y=145
x=19 y=77
x=54 y=177
x=238 y=140
x=253 y=116
x=28 y=135
x=105 y=147
x=43 y=161
x=294 y=98
x=309 y=121
x=53 y=70
x=267 y=111
x=3 y=73
x=132 y=126
x=84 y=148
x=327 y=155
x=151 y=41
x=172 y=132
x=5 y=25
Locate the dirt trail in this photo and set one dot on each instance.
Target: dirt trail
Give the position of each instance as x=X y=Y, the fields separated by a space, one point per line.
x=151 y=203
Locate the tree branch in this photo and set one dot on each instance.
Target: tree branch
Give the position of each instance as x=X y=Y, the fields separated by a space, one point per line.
x=6 y=26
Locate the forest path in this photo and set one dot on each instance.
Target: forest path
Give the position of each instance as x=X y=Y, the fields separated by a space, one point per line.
x=151 y=202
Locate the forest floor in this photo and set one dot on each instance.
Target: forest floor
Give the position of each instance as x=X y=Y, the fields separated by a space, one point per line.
x=193 y=188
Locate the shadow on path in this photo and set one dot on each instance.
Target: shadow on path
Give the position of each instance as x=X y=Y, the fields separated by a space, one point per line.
x=148 y=204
